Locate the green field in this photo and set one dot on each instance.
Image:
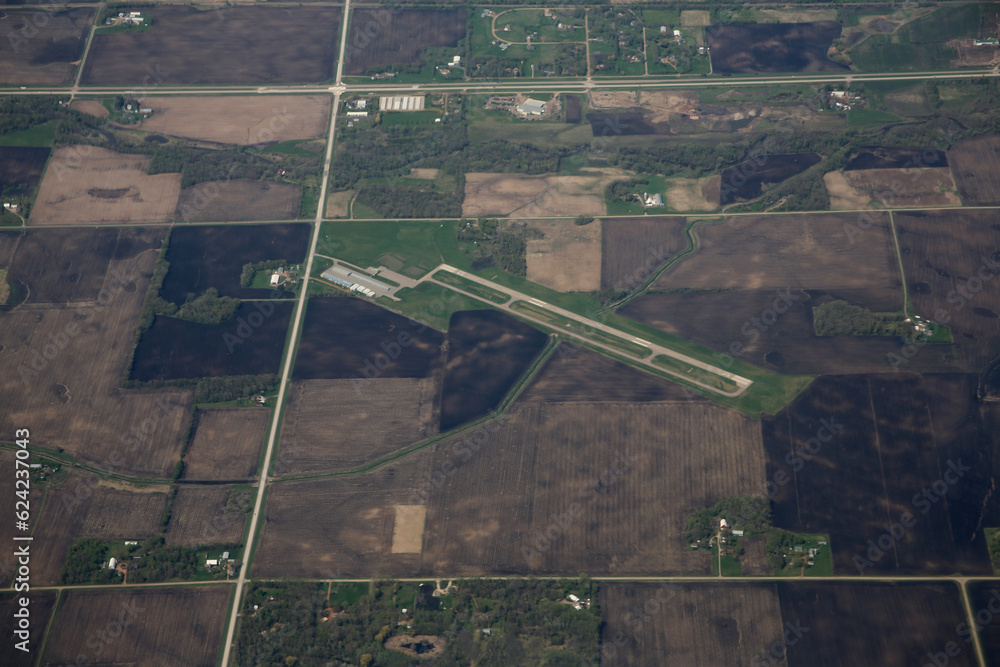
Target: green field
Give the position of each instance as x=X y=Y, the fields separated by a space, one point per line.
x=730 y=567
x=290 y=147
x=572 y=326
x=616 y=42
x=433 y=58
x=534 y=23
x=431 y=304
x=922 y=43
x=490 y=125
x=694 y=373
x=471 y=286
x=552 y=52
x=796 y=560
x=426 y=117
x=43 y=134
x=680 y=58
x=857 y=118
x=411 y=248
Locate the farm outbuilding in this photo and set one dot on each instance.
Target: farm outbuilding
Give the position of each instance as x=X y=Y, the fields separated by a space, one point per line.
x=531 y=107
x=401 y=103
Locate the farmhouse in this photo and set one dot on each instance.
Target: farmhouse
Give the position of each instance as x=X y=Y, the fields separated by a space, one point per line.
x=531 y=107
x=655 y=199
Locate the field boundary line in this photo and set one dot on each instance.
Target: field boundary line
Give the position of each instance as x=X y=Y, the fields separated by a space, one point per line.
x=258 y=517
x=512 y=395
x=118 y=587
x=654 y=578
x=971 y=619
x=43 y=644
x=899 y=258
x=86 y=50
x=692 y=247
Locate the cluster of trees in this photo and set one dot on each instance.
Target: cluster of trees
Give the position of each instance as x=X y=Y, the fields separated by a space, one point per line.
x=507 y=156
x=528 y=623
x=622 y=191
x=504 y=245
x=690 y=160
x=251 y=269
x=22 y=113
x=215 y=389
x=207 y=308
x=839 y=318
x=195 y=164
x=497 y=66
x=778 y=541
x=402 y=201
x=994 y=545
x=751 y=514
x=386 y=151
x=149 y=561
x=222 y=389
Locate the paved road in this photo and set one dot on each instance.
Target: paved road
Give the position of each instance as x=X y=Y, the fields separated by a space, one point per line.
x=256 y=525
x=579 y=84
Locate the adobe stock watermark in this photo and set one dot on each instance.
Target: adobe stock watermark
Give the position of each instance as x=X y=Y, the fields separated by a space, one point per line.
x=635 y=621
x=38 y=359
x=465 y=448
x=38 y=20
x=982 y=618
x=802 y=453
x=958 y=298
x=102 y=639
x=541 y=540
x=361 y=36
x=393 y=348
x=548 y=199
x=923 y=501
x=886 y=199
x=628 y=283
x=131 y=441
x=753 y=327
x=68 y=158
x=247 y=326
x=461 y=452
x=775 y=653
x=220 y=181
